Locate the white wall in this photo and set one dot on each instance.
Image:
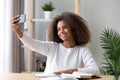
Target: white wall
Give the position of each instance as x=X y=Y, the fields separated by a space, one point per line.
x=98 y=14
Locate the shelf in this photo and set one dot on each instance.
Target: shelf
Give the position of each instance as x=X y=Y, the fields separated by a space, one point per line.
x=41 y=20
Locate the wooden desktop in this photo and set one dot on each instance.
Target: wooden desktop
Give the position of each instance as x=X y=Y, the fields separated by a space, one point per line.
x=30 y=76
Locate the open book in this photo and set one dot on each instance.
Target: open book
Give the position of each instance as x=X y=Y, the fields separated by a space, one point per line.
x=80 y=75
x=51 y=76
x=65 y=76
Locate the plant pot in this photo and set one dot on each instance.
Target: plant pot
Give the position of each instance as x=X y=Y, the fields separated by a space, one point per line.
x=47 y=14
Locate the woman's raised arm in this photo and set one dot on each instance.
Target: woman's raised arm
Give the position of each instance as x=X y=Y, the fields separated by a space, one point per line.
x=15 y=26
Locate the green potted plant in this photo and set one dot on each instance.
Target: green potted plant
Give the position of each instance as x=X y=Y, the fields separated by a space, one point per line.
x=110 y=40
x=48 y=8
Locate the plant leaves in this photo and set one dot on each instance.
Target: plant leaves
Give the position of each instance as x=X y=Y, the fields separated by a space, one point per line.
x=110 y=42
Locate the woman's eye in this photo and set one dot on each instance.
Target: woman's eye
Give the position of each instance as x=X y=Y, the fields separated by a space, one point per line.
x=65 y=27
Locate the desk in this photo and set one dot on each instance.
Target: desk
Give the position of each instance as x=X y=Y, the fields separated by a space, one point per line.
x=30 y=76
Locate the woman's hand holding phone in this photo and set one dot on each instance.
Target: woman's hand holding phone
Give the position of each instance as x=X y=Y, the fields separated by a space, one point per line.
x=15 y=23
x=18 y=19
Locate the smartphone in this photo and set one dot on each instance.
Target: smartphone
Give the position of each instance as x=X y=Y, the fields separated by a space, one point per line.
x=22 y=18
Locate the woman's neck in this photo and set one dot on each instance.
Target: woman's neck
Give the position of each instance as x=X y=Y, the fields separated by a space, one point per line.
x=69 y=44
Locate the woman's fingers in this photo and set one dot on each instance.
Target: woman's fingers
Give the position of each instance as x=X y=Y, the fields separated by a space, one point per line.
x=14 y=19
x=58 y=73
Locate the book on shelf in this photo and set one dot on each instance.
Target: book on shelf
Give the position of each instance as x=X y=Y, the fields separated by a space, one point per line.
x=65 y=76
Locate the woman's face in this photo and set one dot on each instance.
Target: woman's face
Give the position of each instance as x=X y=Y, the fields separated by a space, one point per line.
x=64 y=31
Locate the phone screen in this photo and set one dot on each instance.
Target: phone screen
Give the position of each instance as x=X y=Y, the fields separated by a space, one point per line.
x=22 y=18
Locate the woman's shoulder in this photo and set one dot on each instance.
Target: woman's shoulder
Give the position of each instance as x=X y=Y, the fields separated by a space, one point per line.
x=84 y=49
x=51 y=43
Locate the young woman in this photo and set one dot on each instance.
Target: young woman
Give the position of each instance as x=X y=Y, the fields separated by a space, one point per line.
x=66 y=51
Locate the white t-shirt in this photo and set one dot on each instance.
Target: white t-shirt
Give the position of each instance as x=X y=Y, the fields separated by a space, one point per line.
x=60 y=58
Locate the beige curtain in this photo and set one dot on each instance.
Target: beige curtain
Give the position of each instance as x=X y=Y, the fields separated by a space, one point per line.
x=18 y=51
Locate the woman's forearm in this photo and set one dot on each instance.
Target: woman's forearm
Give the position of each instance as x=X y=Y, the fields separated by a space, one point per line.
x=18 y=32
x=70 y=71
